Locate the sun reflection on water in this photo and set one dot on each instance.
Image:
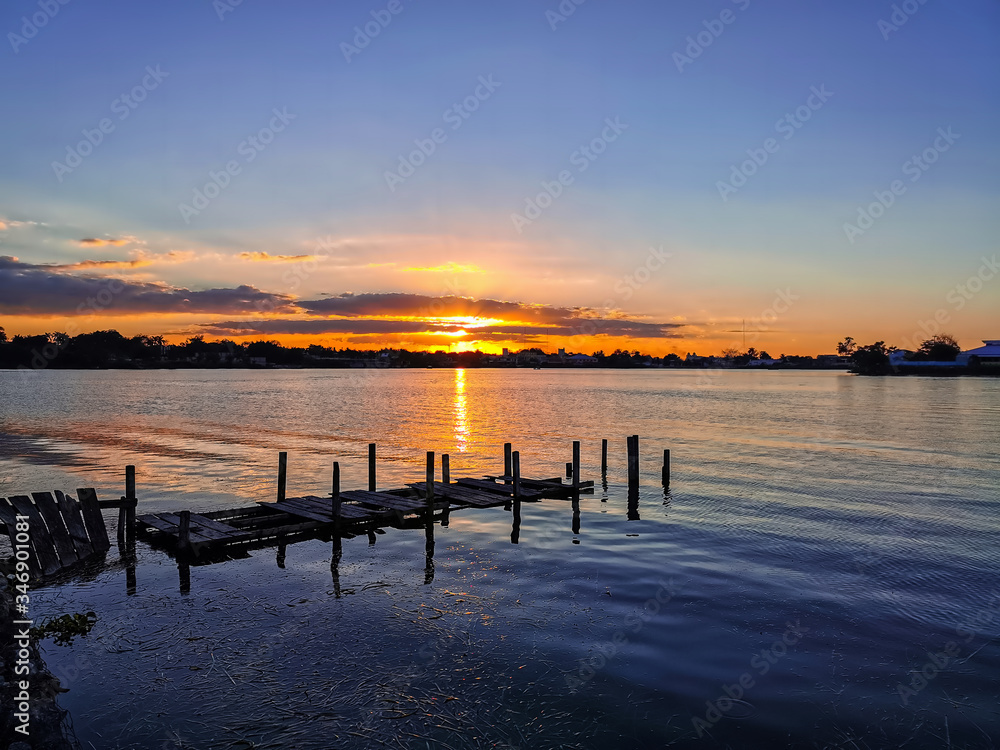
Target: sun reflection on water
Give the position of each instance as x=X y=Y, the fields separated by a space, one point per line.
x=461 y=422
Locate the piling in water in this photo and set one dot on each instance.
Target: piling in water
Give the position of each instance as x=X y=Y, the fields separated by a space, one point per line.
x=282 y=475
x=335 y=496
x=371 y=467
x=633 y=462
x=516 y=467
x=666 y=467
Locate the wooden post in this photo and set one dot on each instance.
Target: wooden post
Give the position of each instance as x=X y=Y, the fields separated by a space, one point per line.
x=569 y=469
x=282 y=475
x=184 y=533
x=516 y=468
x=371 y=467
x=335 y=495
x=666 y=467
x=445 y=469
x=430 y=481
x=576 y=463
x=126 y=515
x=604 y=457
x=506 y=462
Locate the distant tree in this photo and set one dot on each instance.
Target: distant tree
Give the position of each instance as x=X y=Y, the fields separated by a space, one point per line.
x=872 y=359
x=765 y=355
x=752 y=353
x=940 y=348
x=3 y=336
x=847 y=347
x=730 y=353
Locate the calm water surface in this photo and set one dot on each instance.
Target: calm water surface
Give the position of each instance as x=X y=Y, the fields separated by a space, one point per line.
x=824 y=539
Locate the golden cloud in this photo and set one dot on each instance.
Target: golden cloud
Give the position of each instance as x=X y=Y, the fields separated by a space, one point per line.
x=102 y=264
x=259 y=257
x=449 y=267
x=95 y=242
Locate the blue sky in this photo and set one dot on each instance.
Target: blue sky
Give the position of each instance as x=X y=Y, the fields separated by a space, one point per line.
x=657 y=184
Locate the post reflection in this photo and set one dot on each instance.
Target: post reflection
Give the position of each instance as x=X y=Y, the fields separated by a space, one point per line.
x=633 y=503
x=515 y=529
x=429 y=549
x=338 y=553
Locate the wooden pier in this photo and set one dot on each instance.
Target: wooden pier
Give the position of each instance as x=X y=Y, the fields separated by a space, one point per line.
x=279 y=522
x=67 y=531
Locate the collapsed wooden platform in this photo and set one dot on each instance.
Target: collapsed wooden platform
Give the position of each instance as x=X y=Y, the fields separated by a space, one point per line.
x=53 y=531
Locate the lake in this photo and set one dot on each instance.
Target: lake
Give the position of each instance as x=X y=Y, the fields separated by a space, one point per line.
x=822 y=572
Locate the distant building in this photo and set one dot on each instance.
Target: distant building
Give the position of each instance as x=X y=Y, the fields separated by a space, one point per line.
x=988 y=354
x=580 y=360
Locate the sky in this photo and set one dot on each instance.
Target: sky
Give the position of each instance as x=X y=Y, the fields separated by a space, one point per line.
x=435 y=174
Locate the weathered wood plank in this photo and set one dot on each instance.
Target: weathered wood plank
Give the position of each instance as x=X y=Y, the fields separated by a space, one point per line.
x=197 y=529
x=171 y=527
x=527 y=482
x=73 y=519
x=41 y=541
x=384 y=500
x=93 y=519
x=497 y=489
x=62 y=543
x=211 y=523
x=466 y=495
x=323 y=504
x=8 y=516
x=296 y=510
x=324 y=508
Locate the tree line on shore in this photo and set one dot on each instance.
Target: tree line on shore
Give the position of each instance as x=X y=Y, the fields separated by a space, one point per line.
x=110 y=349
x=873 y=359
x=104 y=349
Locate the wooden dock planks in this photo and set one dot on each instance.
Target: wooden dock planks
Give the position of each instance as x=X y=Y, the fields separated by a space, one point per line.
x=506 y=490
x=461 y=494
x=385 y=500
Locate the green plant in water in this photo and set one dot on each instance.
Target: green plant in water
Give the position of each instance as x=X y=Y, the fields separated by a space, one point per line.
x=65 y=628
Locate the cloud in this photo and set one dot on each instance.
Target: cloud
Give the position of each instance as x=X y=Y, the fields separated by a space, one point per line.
x=319 y=327
x=3 y=225
x=483 y=319
x=27 y=289
x=95 y=242
x=259 y=257
x=102 y=264
x=449 y=267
